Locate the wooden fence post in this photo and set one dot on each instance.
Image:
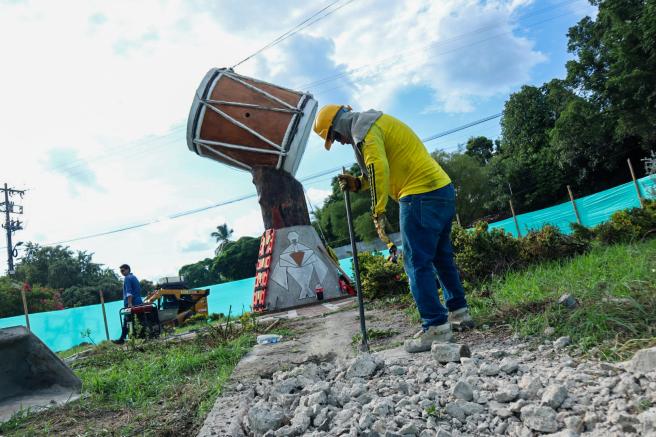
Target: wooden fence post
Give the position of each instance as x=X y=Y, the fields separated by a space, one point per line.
x=27 y=316
x=102 y=303
x=635 y=182
x=576 y=210
x=512 y=209
x=458 y=219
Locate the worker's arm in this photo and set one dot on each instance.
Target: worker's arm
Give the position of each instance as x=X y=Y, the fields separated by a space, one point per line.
x=375 y=159
x=129 y=301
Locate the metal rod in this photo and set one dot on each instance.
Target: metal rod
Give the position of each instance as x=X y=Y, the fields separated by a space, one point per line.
x=364 y=347
x=512 y=209
x=239 y=147
x=576 y=210
x=27 y=316
x=243 y=126
x=249 y=105
x=102 y=303
x=635 y=182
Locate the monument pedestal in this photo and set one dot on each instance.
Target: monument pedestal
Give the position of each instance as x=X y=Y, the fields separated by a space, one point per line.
x=294 y=269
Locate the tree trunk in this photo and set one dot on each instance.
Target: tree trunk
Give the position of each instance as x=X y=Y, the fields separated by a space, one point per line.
x=281 y=198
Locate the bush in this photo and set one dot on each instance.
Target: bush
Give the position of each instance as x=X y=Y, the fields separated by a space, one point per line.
x=628 y=225
x=381 y=278
x=481 y=254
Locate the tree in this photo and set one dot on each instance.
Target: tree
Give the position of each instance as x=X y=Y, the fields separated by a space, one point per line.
x=615 y=65
x=480 y=148
x=470 y=180
x=200 y=274
x=238 y=259
x=222 y=235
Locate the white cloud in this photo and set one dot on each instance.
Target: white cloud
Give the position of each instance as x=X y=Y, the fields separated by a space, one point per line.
x=317 y=196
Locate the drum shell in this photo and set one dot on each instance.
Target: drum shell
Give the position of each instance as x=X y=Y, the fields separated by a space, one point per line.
x=243 y=122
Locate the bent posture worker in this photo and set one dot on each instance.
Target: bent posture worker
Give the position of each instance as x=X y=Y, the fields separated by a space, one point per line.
x=394 y=162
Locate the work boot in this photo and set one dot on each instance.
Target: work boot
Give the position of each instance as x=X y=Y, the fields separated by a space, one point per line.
x=119 y=341
x=461 y=320
x=422 y=341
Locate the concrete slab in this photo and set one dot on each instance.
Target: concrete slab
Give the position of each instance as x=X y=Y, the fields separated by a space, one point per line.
x=31 y=375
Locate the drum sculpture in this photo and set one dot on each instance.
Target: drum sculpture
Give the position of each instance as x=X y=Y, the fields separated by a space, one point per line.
x=263 y=128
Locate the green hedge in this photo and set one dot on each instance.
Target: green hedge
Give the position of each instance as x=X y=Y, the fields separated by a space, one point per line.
x=481 y=254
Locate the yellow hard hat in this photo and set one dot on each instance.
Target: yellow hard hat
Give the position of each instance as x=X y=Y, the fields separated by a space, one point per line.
x=324 y=121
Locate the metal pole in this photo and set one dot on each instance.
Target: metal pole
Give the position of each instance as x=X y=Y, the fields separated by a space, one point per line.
x=27 y=316
x=635 y=182
x=102 y=303
x=364 y=347
x=512 y=209
x=10 y=247
x=576 y=210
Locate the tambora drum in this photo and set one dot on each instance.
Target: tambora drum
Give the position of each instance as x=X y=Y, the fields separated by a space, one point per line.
x=244 y=122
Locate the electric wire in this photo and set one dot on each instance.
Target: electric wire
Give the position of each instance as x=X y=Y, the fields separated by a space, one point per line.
x=302 y=25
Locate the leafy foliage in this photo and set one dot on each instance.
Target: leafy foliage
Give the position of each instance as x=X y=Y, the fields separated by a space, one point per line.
x=222 y=236
x=381 y=278
x=238 y=259
x=38 y=298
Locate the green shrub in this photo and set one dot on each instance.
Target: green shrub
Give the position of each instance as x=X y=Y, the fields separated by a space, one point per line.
x=481 y=254
x=628 y=225
x=381 y=278
x=550 y=244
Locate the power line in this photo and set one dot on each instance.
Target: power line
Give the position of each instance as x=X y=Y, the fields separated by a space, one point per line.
x=246 y=196
x=294 y=30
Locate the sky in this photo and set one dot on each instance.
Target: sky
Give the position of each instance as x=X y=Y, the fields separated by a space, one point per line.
x=95 y=96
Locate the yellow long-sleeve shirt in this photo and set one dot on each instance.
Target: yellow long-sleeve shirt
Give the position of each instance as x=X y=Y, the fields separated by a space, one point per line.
x=398 y=163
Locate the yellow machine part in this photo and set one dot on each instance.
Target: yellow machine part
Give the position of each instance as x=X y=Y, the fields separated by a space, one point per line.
x=199 y=299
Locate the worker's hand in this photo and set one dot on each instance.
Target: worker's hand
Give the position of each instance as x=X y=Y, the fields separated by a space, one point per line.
x=381 y=223
x=349 y=182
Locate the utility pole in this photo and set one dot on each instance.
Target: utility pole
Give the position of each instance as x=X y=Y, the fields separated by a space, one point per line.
x=11 y=226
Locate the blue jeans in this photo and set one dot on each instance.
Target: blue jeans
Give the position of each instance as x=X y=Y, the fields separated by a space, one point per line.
x=426 y=231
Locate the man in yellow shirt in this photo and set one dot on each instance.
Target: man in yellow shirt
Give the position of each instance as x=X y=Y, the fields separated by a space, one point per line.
x=395 y=163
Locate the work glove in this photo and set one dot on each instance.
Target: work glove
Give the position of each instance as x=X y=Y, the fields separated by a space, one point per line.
x=349 y=182
x=380 y=221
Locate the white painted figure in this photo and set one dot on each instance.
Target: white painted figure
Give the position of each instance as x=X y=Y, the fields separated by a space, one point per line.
x=299 y=262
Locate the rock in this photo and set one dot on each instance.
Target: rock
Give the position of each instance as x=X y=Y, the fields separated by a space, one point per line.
x=488 y=369
x=442 y=433
x=644 y=361
x=574 y=423
x=497 y=409
x=382 y=407
x=647 y=421
x=549 y=331
x=409 y=429
x=471 y=407
x=363 y=366
x=509 y=365
x=397 y=370
x=462 y=390
x=498 y=353
x=563 y=433
x=553 y=396
x=455 y=410
x=626 y=386
x=366 y=420
x=561 y=342
x=263 y=417
x=449 y=352
x=539 y=418
x=530 y=387
x=506 y=393
x=590 y=420
x=568 y=301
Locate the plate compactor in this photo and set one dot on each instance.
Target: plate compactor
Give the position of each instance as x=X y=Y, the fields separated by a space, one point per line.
x=31 y=375
x=169 y=305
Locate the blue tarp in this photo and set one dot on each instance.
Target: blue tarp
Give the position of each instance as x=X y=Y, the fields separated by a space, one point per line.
x=61 y=330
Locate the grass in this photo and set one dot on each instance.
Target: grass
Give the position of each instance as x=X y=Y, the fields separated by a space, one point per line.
x=155 y=388
x=615 y=287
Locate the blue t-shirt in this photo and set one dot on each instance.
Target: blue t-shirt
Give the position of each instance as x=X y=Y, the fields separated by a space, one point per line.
x=132 y=288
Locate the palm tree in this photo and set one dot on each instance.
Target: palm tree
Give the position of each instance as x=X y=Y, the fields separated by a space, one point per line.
x=222 y=236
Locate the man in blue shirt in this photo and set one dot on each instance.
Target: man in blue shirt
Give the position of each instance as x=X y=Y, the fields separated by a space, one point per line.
x=131 y=297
